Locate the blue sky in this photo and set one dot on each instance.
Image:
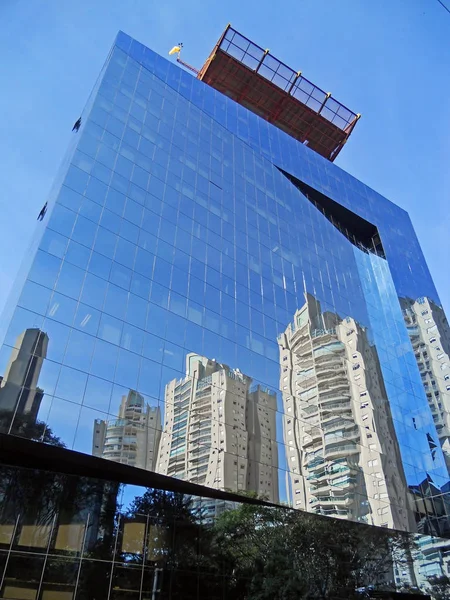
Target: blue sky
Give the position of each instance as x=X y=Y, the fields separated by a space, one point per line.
x=389 y=60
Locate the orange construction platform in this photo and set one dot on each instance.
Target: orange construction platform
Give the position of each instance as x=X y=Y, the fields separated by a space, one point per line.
x=255 y=79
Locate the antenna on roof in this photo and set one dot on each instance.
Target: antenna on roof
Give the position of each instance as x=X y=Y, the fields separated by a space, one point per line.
x=177 y=50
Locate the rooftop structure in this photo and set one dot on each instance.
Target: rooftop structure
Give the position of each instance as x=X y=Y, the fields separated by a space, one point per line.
x=254 y=78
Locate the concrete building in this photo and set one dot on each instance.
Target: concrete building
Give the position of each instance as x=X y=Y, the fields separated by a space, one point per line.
x=342 y=455
x=429 y=333
x=219 y=431
x=19 y=390
x=133 y=438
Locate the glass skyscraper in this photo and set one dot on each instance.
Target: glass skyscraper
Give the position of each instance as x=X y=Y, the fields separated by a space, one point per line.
x=210 y=299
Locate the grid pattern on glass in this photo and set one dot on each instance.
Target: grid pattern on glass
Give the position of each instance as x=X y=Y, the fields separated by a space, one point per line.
x=287 y=79
x=65 y=536
x=179 y=276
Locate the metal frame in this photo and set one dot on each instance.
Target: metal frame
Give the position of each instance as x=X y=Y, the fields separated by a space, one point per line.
x=256 y=79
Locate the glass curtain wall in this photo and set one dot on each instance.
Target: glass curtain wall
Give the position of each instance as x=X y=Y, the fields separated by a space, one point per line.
x=193 y=309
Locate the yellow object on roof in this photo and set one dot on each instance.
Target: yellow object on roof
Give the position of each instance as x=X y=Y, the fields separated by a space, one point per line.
x=175 y=49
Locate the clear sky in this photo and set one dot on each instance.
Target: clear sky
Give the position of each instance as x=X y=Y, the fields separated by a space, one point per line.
x=387 y=59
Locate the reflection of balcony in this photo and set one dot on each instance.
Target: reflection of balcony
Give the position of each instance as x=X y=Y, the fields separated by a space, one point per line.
x=339 y=450
x=346 y=435
x=334 y=423
x=336 y=388
x=313 y=430
x=303 y=360
x=344 y=500
x=320 y=487
x=339 y=468
x=329 y=362
x=413 y=330
x=312 y=440
x=300 y=337
x=198 y=471
x=330 y=379
x=323 y=334
x=204 y=383
x=202 y=398
x=336 y=407
x=176 y=469
x=200 y=440
x=309 y=411
x=306 y=383
x=343 y=483
x=334 y=396
x=312 y=462
x=181 y=405
x=331 y=472
x=199 y=459
x=200 y=418
x=203 y=394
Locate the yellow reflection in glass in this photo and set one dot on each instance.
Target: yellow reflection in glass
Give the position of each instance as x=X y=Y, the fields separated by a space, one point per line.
x=70 y=537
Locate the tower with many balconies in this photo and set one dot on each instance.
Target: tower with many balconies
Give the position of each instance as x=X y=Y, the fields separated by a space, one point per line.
x=337 y=425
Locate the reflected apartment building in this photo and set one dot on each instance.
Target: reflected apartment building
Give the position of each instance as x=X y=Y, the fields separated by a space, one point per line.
x=189 y=219
x=429 y=333
x=133 y=438
x=19 y=390
x=219 y=430
x=342 y=455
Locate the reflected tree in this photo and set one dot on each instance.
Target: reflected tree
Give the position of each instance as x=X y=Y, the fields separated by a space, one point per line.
x=439 y=587
x=263 y=553
x=43 y=498
x=168 y=544
x=177 y=545
x=273 y=553
x=37 y=490
x=30 y=428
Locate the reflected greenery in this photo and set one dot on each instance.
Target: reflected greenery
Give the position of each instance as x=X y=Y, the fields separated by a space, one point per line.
x=71 y=533
x=27 y=426
x=260 y=553
x=440 y=587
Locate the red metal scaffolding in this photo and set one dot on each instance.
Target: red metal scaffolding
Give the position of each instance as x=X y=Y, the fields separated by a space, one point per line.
x=252 y=77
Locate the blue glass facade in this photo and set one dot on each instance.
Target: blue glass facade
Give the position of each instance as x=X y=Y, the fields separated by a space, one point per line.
x=194 y=307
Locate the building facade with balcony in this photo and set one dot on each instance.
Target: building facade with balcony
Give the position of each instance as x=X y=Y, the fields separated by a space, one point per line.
x=342 y=453
x=193 y=219
x=219 y=431
x=133 y=438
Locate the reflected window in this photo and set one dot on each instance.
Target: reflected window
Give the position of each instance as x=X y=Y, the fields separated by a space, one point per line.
x=35 y=297
x=34 y=536
x=62 y=309
x=110 y=329
x=87 y=319
x=53 y=243
x=133 y=538
x=70 y=538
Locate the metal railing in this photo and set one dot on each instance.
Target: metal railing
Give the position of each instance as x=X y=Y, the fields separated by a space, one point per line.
x=292 y=82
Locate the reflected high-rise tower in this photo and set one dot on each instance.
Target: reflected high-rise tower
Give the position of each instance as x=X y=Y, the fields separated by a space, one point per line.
x=220 y=430
x=342 y=455
x=19 y=390
x=132 y=438
x=429 y=333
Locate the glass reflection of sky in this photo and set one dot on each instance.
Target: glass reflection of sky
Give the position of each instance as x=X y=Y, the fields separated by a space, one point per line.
x=174 y=232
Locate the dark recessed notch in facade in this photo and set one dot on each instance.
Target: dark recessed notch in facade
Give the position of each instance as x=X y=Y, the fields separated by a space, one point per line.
x=358 y=231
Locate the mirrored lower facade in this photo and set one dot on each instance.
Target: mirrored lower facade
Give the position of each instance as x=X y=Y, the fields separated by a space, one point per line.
x=208 y=300
x=69 y=537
